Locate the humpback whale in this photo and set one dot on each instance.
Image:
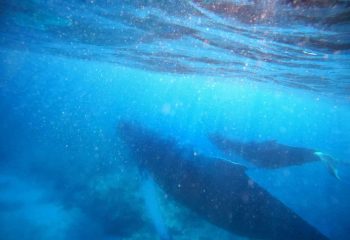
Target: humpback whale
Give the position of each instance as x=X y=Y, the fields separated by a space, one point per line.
x=217 y=190
x=271 y=154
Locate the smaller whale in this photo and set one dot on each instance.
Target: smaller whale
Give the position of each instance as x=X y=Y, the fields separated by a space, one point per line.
x=271 y=154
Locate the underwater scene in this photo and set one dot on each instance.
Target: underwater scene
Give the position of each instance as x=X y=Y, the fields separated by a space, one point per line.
x=175 y=120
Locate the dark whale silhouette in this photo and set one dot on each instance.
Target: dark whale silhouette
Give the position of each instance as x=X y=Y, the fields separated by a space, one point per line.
x=271 y=154
x=217 y=190
x=267 y=154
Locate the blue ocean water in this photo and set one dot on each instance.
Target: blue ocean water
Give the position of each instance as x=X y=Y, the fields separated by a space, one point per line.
x=70 y=71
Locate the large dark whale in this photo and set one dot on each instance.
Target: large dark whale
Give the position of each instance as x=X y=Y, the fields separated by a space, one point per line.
x=217 y=190
x=271 y=154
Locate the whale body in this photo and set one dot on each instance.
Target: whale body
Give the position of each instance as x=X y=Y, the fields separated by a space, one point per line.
x=266 y=154
x=217 y=190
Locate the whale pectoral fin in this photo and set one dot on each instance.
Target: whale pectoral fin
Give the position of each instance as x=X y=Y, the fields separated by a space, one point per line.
x=330 y=162
x=333 y=170
x=152 y=206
